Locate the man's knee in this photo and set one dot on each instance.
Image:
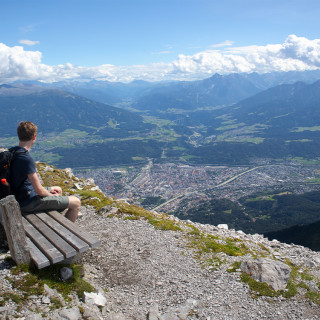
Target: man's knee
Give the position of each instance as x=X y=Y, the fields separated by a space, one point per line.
x=74 y=202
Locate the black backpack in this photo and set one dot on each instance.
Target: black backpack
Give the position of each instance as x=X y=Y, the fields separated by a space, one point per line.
x=5 y=160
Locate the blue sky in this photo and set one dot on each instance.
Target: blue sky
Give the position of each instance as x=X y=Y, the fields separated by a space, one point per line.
x=122 y=40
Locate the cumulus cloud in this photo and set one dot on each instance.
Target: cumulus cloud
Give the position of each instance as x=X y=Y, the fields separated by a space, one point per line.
x=28 y=42
x=16 y=64
x=295 y=54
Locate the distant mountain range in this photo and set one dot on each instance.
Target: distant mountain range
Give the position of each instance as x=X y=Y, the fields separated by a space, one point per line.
x=229 y=119
x=153 y=96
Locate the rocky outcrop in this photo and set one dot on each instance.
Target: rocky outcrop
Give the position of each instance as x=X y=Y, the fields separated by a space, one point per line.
x=275 y=273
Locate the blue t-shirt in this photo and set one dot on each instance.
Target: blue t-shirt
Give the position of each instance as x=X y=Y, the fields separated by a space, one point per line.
x=22 y=165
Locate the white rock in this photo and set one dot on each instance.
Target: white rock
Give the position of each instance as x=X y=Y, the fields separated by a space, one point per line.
x=78 y=186
x=94 y=298
x=48 y=169
x=275 y=273
x=33 y=316
x=69 y=172
x=154 y=313
x=89 y=182
x=116 y=316
x=46 y=300
x=223 y=226
x=95 y=189
x=68 y=314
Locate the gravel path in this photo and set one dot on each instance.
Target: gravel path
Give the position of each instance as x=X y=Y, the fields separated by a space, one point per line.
x=147 y=269
x=146 y=273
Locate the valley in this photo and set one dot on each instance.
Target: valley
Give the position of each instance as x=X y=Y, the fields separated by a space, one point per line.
x=236 y=195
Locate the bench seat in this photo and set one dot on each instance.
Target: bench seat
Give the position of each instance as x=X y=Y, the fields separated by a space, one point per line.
x=51 y=238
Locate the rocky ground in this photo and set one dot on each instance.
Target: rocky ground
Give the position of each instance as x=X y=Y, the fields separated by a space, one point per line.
x=146 y=273
x=153 y=266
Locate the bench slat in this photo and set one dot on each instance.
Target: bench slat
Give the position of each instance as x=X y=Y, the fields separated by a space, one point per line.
x=40 y=260
x=65 y=233
x=42 y=243
x=53 y=237
x=85 y=236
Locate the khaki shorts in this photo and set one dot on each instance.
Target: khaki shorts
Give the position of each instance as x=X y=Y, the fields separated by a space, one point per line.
x=59 y=203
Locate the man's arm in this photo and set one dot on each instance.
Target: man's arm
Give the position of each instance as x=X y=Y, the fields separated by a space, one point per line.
x=38 y=188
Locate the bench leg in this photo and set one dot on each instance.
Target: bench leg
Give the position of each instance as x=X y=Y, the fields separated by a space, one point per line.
x=12 y=222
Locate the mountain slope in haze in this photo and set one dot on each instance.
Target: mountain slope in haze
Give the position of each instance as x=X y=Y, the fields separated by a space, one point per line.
x=76 y=131
x=286 y=105
x=304 y=235
x=214 y=91
x=280 y=122
x=285 y=109
x=56 y=111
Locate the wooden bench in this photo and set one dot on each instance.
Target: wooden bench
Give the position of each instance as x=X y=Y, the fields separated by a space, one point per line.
x=44 y=238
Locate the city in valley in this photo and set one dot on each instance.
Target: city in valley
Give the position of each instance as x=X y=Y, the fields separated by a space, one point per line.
x=165 y=187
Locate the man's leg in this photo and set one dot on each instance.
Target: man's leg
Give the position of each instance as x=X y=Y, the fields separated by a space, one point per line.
x=73 y=208
x=71 y=203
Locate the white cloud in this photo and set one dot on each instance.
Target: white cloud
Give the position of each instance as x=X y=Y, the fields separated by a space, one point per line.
x=16 y=64
x=29 y=28
x=295 y=54
x=28 y=42
x=223 y=44
x=162 y=52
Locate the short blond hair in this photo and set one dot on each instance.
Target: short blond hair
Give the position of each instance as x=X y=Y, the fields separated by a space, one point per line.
x=26 y=130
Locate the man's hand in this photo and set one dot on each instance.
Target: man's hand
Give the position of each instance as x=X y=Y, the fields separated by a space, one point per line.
x=40 y=190
x=56 y=191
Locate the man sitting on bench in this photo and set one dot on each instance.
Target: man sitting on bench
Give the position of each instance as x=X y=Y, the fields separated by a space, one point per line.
x=25 y=184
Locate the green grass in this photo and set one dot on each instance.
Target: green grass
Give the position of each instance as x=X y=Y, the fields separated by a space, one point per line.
x=301 y=129
x=313 y=296
x=314 y=180
x=32 y=280
x=179 y=148
x=163 y=224
x=291 y=290
x=94 y=198
x=188 y=157
x=157 y=121
x=258 y=288
x=306 y=276
x=235 y=266
x=194 y=230
x=231 y=126
x=303 y=285
x=262 y=197
x=210 y=244
x=51 y=276
x=112 y=123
